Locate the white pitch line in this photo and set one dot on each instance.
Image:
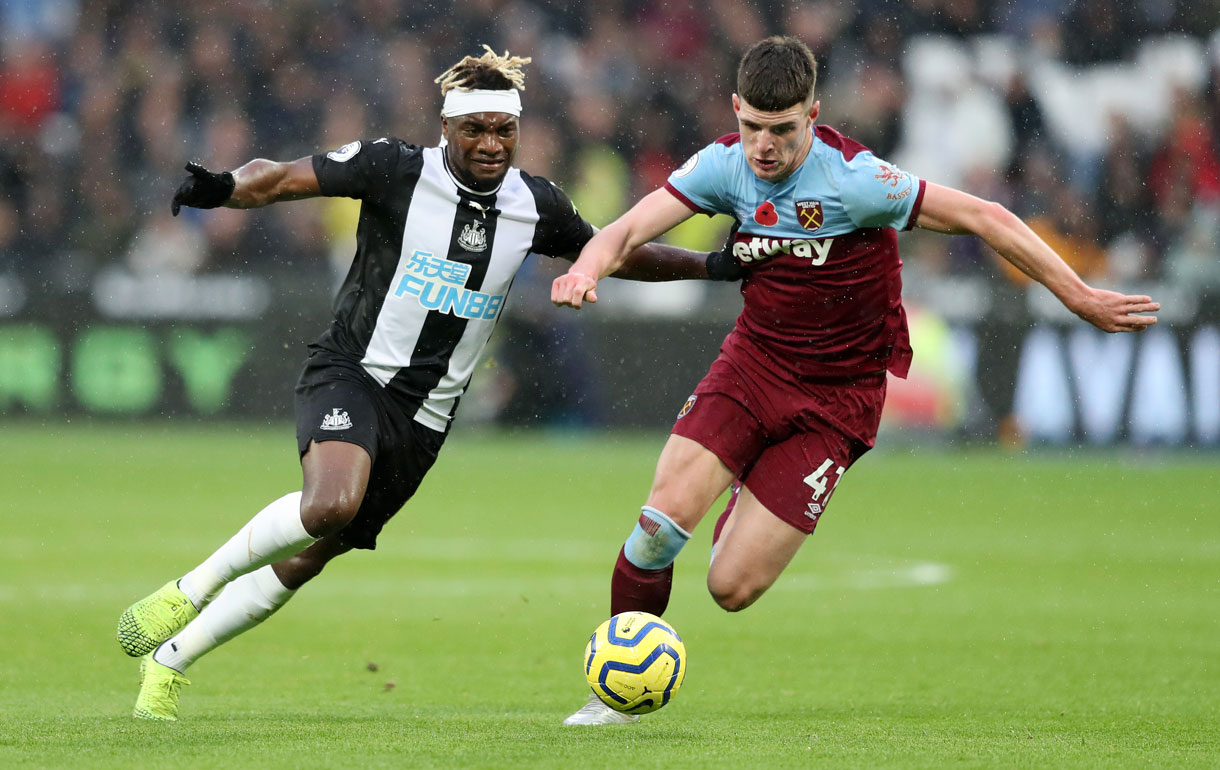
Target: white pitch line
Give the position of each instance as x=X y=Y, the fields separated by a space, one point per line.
x=870 y=577
x=915 y=575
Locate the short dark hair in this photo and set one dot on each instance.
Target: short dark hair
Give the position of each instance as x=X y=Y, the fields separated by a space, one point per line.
x=777 y=73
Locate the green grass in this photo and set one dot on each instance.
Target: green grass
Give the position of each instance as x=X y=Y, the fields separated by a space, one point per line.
x=966 y=610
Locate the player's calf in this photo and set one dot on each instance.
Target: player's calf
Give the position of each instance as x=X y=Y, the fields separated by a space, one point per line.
x=643 y=574
x=296 y=571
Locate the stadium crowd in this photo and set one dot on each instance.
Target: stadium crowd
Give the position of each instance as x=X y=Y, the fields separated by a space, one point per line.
x=1097 y=120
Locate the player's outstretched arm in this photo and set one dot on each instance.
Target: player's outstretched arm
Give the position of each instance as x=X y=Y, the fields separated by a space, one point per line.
x=660 y=262
x=257 y=183
x=658 y=212
x=954 y=212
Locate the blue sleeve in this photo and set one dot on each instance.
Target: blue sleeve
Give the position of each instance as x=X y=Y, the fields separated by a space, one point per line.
x=879 y=194
x=702 y=182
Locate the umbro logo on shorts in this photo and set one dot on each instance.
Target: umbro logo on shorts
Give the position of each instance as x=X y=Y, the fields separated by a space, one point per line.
x=336 y=420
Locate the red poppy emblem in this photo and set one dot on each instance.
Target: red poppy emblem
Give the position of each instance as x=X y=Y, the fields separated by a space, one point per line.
x=766 y=215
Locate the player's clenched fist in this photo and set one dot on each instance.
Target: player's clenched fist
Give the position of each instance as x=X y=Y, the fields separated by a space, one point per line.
x=571 y=289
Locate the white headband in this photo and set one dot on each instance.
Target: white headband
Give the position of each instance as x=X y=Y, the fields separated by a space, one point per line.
x=460 y=101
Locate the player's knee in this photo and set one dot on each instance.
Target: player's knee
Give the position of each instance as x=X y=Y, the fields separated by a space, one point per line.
x=326 y=510
x=298 y=570
x=732 y=596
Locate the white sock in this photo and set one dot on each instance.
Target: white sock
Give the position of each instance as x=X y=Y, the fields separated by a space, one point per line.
x=242 y=605
x=275 y=533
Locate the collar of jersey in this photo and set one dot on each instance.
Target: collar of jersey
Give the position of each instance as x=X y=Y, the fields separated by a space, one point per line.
x=453 y=177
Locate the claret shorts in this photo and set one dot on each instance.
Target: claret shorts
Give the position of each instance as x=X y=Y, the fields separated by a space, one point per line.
x=789 y=443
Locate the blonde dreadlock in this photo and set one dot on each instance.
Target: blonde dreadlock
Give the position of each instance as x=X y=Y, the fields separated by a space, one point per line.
x=475 y=72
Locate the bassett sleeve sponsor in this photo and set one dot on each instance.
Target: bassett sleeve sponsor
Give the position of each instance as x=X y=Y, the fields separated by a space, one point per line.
x=876 y=193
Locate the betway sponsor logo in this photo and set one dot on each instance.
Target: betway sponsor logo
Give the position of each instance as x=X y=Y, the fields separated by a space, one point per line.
x=761 y=249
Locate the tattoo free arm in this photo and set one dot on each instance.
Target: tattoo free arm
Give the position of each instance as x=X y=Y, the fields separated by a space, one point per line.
x=953 y=212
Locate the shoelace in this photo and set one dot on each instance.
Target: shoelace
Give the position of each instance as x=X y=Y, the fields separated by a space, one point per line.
x=169 y=687
x=165 y=618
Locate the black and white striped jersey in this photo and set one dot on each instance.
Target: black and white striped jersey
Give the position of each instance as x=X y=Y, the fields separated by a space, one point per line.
x=433 y=266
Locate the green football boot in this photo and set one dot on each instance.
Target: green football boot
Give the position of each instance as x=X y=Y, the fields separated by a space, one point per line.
x=146 y=624
x=160 y=687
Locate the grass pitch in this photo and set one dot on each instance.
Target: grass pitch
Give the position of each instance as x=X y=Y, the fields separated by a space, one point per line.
x=972 y=610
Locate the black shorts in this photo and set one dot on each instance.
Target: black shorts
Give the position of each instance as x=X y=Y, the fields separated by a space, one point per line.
x=336 y=400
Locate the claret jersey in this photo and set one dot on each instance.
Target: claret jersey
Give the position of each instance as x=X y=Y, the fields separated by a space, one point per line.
x=433 y=265
x=823 y=285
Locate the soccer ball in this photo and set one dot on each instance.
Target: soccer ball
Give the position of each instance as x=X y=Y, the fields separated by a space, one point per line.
x=635 y=662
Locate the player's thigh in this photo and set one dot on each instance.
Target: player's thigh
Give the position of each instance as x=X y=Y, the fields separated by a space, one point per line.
x=338 y=426
x=409 y=451
x=783 y=496
x=714 y=439
x=689 y=478
x=754 y=549
x=335 y=474
x=795 y=478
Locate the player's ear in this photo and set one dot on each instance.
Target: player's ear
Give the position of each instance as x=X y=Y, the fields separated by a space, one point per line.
x=813 y=111
x=736 y=104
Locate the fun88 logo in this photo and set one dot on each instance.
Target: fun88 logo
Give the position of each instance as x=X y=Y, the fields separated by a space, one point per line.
x=438 y=284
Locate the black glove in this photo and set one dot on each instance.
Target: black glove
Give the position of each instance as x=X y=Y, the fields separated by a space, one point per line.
x=203 y=189
x=722 y=265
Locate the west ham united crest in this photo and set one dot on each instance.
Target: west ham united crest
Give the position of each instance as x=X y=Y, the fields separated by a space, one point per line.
x=690 y=402
x=809 y=214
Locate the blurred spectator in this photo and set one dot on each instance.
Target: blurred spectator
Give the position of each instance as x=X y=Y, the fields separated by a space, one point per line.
x=1188 y=155
x=873 y=113
x=1028 y=124
x=166 y=245
x=101 y=103
x=39 y=19
x=1072 y=233
x=954 y=123
x=600 y=174
x=29 y=86
x=1102 y=30
x=1193 y=257
x=9 y=246
x=1124 y=207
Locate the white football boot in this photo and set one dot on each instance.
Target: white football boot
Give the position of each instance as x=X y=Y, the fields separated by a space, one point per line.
x=597 y=713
